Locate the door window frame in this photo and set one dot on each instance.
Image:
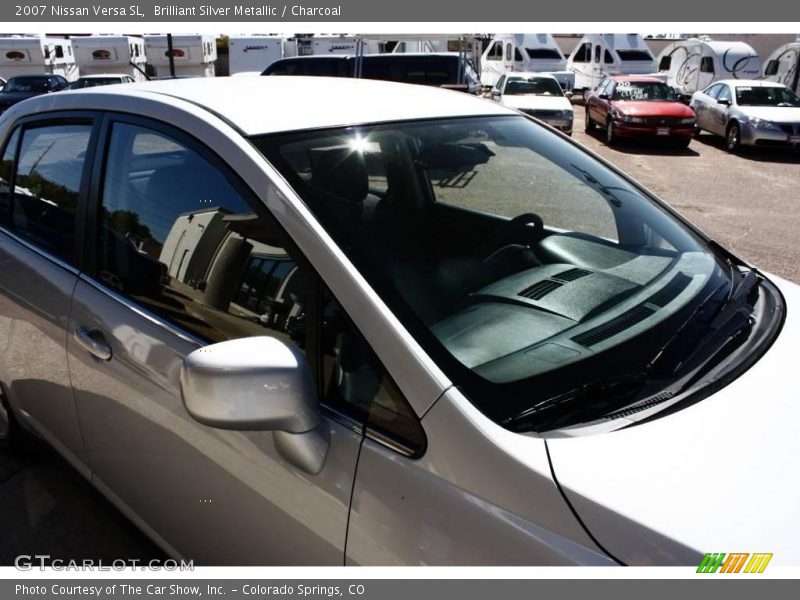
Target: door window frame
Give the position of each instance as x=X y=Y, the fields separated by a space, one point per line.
x=316 y=291
x=76 y=263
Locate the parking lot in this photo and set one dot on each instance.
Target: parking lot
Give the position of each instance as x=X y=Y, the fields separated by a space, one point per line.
x=748 y=202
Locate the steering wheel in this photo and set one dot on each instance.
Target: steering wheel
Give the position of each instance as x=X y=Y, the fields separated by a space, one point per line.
x=523 y=229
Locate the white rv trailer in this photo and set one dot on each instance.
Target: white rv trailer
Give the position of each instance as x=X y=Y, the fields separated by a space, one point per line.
x=316 y=45
x=598 y=56
x=119 y=54
x=253 y=53
x=194 y=55
x=528 y=52
x=783 y=66
x=694 y=64
x=35 y=55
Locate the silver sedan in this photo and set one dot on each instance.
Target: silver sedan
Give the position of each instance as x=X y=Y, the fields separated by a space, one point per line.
x=752 y=113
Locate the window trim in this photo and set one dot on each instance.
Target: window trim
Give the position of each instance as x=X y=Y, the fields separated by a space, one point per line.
x=313 y=354
x=75 y=263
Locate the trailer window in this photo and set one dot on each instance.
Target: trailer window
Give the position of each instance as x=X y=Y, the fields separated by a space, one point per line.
x=772 y=67
x=495 y=52
x=607 y=58
x=597 y=54
x=665 y=63
x=707 y=65
x=583 y=54
x=543 y=53
x=59 y=51
x=509 y=52
x=631 y=55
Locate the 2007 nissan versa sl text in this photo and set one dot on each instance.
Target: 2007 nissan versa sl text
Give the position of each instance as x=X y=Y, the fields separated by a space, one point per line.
x=371 y=331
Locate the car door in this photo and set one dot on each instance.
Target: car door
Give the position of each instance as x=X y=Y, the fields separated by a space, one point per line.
x=700 y=104
x=717 y=115
x=186 y=257
x=46 y=163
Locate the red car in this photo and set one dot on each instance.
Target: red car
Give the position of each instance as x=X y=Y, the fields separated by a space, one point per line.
x=628 y=107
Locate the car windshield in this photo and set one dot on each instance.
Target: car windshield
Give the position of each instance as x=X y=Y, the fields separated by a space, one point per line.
x=748 y=95
x=93 y=81
x=643 y=91
x=526 y=267
x=27 y=84
x=532 y=86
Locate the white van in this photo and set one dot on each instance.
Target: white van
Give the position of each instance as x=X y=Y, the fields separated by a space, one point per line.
x=598 y=56
x=527 y=52
x=119 y=54
x=694 y=64
x=253 y=53
x=782 y=66
x=36 y=55
x=194 y=55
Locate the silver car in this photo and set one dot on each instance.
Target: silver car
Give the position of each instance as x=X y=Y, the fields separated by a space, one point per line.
x=367 y=323
x=751 y=113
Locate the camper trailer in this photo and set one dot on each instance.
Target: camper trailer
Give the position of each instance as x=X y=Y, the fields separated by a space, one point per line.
x=193 y=55
x=318 y=45
x=783 y=66
x=694 y=64
x=119 y=54
x=36 y=55
x=254 y=53
x=528 y=52
x=598 y=56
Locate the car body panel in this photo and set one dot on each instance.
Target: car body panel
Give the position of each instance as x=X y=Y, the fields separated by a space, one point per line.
x=449 y=507
x=714 y=476
x=210 y=482
x=35 y=295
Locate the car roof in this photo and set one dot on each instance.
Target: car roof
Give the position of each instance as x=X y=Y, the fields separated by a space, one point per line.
x=102 y=75
x=527 y=74
x=637 y=79
x=750 y=82
x=261 y=105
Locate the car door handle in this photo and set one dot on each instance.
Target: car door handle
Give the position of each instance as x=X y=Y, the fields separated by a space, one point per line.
x=93 y=342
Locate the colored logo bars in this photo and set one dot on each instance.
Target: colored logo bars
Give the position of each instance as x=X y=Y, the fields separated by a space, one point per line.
x=734 y=563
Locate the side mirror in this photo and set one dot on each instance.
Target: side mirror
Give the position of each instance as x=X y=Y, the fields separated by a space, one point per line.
x=258 y=384
x=495 y=93
x=569 y=95
x=724 y=101
x=603 y=96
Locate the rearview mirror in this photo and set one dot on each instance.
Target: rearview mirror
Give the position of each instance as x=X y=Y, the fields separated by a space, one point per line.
x=258 y=384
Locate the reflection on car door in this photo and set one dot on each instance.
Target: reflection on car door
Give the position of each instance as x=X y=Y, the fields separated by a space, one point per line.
x=38 y=271
x=182 y=260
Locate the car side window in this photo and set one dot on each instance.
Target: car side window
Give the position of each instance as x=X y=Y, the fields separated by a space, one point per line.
x=500 y=83
x=354 y=381
x=724 y=93
x=177 y=237
x=713 y=90
x=50 y=170
x=6 y=169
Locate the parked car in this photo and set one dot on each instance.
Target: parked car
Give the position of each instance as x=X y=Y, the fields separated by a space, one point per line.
x=639 y=107
x=749 y=113
x=101 y=79
x=23 y=87
x=538 y=95
x=439 y=69
x=416 y=322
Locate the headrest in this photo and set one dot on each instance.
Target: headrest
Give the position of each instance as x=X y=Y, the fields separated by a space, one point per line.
x=340 y=171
